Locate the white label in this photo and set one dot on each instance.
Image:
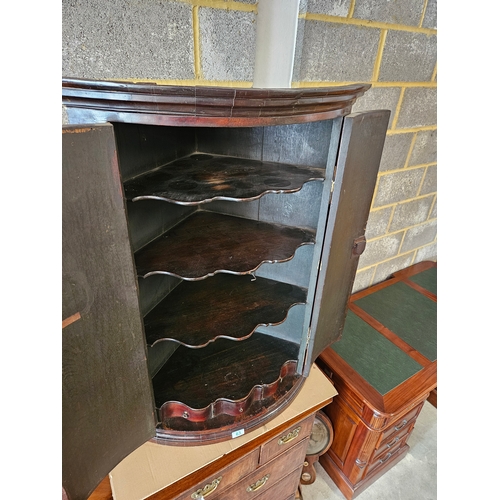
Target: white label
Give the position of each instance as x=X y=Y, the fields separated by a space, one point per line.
x=239 y=433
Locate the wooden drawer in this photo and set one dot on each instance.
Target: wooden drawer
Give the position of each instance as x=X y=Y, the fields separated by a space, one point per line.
x=401 y=423
x=286 y=440
x=267 y=475
x=393 y=441
x=218 y=483
x=384 y=458
x=285 y=488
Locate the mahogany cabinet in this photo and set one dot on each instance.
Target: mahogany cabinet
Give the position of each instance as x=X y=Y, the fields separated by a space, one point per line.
x=210 y=242
x=384 y=368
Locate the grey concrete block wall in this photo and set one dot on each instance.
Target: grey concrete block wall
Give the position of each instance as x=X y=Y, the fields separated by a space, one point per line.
x=391 y=266
x=415 y=63
x=381 y=249
x=123 y=39
x=427 y=252
x=398 y=186
x=419 y=108
x=411 y=212
x=363 y=279
x=378 y=222
x=425 y=148
x=429 y=184
x=407 y=12
x=328 y=7
x=379 y=98
x=419 y=236
x=433 y=214
x=400 y=63
x=430 y=17
x=337 y=51
x=227 y=44
x=396 y=149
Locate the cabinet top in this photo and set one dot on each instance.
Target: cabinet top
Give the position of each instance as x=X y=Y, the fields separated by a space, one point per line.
x=90 y=101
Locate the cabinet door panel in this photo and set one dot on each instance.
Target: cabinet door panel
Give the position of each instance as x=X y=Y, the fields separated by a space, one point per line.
x=361 y=144
x=344 y=422
x=107 y=403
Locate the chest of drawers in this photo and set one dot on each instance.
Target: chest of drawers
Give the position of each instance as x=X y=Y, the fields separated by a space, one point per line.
x=384 y=368
x=271 y=470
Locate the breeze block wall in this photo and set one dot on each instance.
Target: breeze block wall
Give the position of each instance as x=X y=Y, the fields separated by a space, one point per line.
x=183 y=42
x=391 y=44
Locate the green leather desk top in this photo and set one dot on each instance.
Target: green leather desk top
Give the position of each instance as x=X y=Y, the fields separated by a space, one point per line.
x=407 y=313
x=382 y=364
x=426 y=279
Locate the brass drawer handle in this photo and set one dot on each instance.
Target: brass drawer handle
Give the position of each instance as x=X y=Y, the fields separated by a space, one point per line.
x=393 y=442
x=289 y=437
x=258 y=484
x=403 y=423
x=206 y=490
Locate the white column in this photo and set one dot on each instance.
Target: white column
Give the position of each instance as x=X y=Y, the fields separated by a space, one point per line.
x=275 y=48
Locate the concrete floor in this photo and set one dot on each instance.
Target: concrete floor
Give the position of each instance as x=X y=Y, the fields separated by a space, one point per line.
x=414 y=478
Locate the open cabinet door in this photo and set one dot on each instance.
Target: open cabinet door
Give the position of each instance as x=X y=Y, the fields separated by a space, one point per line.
x=106 y=393
x=358 y=161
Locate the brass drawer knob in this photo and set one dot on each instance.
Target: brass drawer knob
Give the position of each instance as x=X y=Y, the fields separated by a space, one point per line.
x=206 y=490
x=289 y=437
x=258 y=484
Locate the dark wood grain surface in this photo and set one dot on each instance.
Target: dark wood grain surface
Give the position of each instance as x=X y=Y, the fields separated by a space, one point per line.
x=201 y=178
x=107 y=408
x=358 y=163
x=205 y=394
x=223 y=369
x=223 y=306
x=90 y=100
x=207 y=243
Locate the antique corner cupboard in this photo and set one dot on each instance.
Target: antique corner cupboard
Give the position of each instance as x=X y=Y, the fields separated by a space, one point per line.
x=210 y=242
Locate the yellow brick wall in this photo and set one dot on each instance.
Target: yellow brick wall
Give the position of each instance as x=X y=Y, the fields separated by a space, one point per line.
x=386 y=264
x=199 y=78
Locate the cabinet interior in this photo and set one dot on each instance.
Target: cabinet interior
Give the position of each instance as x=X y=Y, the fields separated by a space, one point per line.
x=226 y=227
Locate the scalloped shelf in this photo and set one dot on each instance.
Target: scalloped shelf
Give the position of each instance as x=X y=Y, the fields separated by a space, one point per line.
x=224 y=306
x=206 y=243
x=202 y=178
x=224 y=383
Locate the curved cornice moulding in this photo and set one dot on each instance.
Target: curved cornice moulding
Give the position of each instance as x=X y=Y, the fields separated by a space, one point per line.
x=93 y=101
